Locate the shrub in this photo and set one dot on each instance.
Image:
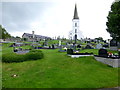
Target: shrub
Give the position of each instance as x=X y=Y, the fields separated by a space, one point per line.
x=13 y=57
x=34 y=55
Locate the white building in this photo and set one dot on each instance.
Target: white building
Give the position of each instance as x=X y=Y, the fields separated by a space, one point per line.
x=75 y=33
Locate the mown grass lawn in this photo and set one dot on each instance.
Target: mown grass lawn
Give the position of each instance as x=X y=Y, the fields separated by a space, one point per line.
x=57 y=70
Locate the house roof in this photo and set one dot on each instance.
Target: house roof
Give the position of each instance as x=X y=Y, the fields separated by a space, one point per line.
x=38 y=36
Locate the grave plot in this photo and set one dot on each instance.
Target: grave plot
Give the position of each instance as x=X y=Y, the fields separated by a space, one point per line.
x=45 y=47
x=108 y=58
x=113 y=45
x=77 y=54
x=18 y=48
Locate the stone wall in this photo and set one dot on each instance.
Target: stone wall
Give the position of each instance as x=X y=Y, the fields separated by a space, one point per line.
x=109 y=61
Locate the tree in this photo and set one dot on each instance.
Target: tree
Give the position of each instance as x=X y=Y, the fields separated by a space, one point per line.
x=113 y=23
x=24 y=39
x=4 y=33
x=99 y=38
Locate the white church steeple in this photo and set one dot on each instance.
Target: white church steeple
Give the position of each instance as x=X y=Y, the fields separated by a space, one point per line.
x=75 y=24
x=75 y=33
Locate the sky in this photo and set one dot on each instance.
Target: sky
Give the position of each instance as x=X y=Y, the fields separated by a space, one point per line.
x=54 y=17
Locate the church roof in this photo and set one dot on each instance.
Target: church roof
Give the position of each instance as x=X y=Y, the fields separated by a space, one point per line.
x=75 y=13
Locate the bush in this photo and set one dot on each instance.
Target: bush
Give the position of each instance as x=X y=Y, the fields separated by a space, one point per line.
x=13 y=57
x=34 y=55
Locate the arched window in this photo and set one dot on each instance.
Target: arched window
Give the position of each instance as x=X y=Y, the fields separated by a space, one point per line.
x=75 y=30
x=75 y=24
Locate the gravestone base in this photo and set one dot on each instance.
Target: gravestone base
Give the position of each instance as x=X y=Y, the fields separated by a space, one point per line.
x=77 y=56
x=111 y=62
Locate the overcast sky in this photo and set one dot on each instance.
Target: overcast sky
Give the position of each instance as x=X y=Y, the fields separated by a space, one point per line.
x=54 y=17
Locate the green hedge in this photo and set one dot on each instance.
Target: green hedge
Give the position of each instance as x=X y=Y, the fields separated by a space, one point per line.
x=13 y=57
x=34 y=55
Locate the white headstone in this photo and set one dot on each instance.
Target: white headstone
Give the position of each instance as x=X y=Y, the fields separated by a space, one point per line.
x=59 y=42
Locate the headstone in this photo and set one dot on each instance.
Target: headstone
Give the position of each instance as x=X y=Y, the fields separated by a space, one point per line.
x=74 y=47
x=104 y=41
x=78 y=46
x=88 y=41
x=119 y=45
x=65 y=48
x=59 y=42
x=53 y=46
x=69 y=51
x=88 y=47
x=98 y=46
x=113 y=42
x=15 y=50
x=106 y=45
x=113 y=45
x=103 y=53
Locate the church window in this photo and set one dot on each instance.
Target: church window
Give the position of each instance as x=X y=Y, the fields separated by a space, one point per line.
x=75 y=30
x=75 y=24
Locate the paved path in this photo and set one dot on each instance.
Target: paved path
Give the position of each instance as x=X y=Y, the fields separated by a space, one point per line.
x=114 y=88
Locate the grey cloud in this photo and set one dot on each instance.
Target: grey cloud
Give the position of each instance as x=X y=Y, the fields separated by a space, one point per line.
x=19 y=15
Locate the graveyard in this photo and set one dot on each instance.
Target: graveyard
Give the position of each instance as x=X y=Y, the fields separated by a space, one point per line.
x=57 y=69
x=36 y=52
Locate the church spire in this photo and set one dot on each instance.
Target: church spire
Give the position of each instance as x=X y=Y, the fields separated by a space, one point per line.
x=75 y=13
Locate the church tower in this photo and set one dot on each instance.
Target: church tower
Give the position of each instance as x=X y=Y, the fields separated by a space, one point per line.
x=75 y=21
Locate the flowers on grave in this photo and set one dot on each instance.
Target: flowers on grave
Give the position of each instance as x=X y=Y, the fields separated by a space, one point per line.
x=76 y=52
x=112 y=55
x=109 y=53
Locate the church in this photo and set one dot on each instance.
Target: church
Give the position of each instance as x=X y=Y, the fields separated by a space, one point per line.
x=75 y=33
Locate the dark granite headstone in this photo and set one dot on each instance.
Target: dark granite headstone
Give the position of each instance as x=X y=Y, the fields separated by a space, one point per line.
x=15 y=50
x=69 y=51
x=103 y=53
x=78 y=46
x=88 y=41
x=53 y=46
